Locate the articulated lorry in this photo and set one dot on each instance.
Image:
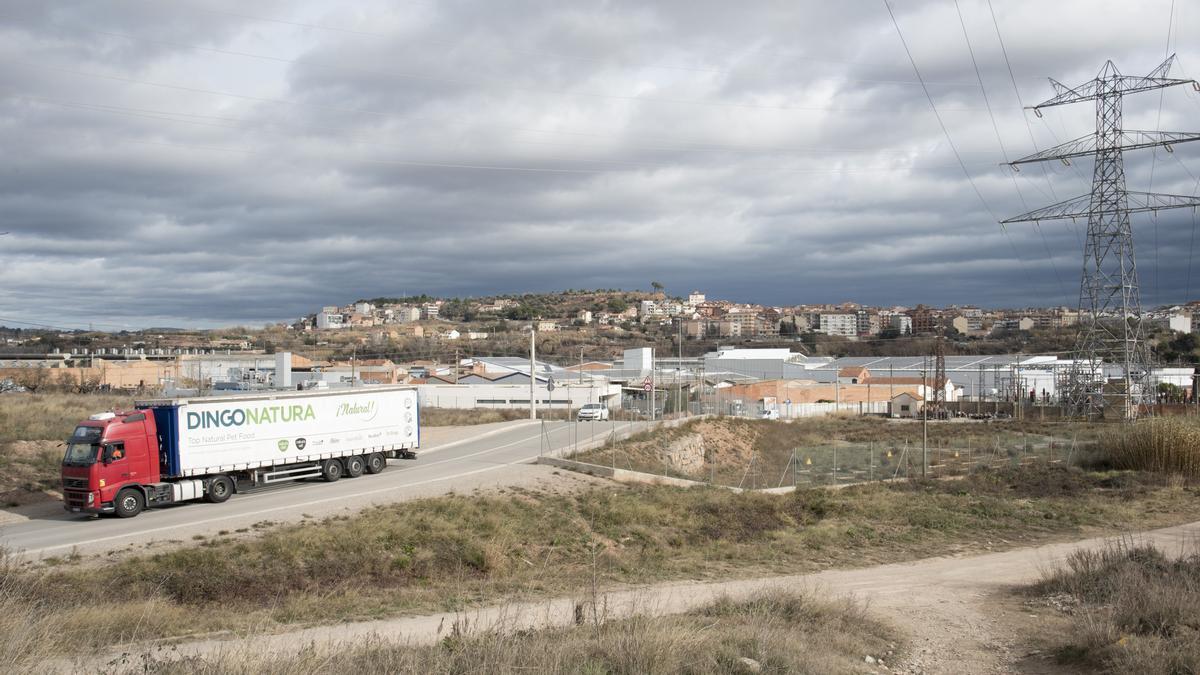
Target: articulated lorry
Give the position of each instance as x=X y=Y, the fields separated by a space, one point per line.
x=167 y=451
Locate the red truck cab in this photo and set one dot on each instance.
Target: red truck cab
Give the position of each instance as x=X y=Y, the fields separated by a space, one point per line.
x=107 y=453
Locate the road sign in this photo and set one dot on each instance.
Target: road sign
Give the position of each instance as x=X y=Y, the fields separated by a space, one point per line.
x=550 y=384
x=647 y=386
x=788 y=402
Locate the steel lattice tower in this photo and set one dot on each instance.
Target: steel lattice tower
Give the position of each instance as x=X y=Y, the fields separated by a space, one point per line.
x=1110 y=312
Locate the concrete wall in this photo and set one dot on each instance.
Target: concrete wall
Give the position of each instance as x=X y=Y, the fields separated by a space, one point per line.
x=619 y=475
x=114 y=374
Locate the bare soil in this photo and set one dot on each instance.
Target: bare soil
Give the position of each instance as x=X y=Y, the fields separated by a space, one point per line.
x=29 y=472
x=958 y=615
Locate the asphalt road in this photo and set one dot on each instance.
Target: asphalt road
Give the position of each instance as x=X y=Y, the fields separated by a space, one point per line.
x=489 y=457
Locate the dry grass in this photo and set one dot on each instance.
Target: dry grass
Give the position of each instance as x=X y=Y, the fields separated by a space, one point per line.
x=38 y=417
x=783 y=632
x=1169 y=445
x=31 y=426
x=449 y=553
x=452 y=417
x=29 y=471
x=1134 y=610
x=759 y=453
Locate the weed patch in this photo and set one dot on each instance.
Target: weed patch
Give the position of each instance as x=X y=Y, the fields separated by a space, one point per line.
x=1133 y=609
x=1167 y=445
x=453 y=417
x=727 y=636
x=453 y=552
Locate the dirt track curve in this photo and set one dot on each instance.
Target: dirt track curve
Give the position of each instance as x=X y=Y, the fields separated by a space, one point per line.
x=942 y=603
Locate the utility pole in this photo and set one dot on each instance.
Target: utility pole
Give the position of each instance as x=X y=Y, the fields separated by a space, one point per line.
x=653 y=386
x=924 y=418
x=678 y=367
x=1110 y=311
x=939 y=375
x=532 y=371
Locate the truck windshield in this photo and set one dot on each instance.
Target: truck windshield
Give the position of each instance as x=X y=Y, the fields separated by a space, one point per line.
x=80 y=453
x=82 y=445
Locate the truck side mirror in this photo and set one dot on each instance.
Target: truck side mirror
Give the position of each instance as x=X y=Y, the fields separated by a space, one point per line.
x=106 y=455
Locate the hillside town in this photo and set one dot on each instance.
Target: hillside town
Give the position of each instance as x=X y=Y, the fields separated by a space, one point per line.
x=701 y=354
x=697 y=317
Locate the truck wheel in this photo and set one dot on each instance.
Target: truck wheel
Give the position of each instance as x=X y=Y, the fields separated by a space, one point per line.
x=129 y=503
x=376 y=462
x=220 y=489
x=331 y=470
x=354 y=466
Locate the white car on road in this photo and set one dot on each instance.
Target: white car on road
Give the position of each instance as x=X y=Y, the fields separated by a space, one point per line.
x=593 y=412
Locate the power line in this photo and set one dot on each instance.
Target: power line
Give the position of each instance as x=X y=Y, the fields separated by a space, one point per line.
x=1191 y=250
x=1154 y=152
x=1017 y=91
x=1004 y=151
x=56 y=327
x=946 y=133
x=933 y=106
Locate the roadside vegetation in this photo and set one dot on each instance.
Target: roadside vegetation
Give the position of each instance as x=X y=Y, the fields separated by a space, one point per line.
x=1169 y=445
x=453 y=417
x=1132 y=609
x=40 y=417
x=780 y=633
x=765 y=453
x=32 y=427
x=453 y=552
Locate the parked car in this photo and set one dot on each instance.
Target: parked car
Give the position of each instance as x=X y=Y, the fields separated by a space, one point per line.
x=769 y=414
x=593 y=412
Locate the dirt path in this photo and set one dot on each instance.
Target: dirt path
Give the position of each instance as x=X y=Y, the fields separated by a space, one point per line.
x=945 y=606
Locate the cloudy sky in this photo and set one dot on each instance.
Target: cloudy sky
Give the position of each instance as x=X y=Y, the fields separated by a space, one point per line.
x=202 y=163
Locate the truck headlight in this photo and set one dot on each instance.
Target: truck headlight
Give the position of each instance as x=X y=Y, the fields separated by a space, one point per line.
x=91 y=498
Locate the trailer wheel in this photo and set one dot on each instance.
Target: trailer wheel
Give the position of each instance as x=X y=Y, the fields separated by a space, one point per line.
x=220 y=489
x=129 y=503
x=376 y=462
x=331 y=470
x=354 y=466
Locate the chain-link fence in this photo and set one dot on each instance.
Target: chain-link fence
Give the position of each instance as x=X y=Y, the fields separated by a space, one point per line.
x=832 y=463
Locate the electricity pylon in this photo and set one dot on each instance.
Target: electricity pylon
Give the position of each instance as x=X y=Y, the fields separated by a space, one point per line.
x=1110 y=311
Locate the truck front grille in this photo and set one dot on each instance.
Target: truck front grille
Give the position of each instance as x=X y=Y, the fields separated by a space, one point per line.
x=75 y=484
x=78 y=499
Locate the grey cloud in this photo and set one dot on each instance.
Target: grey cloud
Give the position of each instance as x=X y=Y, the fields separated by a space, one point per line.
x=611 y=145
